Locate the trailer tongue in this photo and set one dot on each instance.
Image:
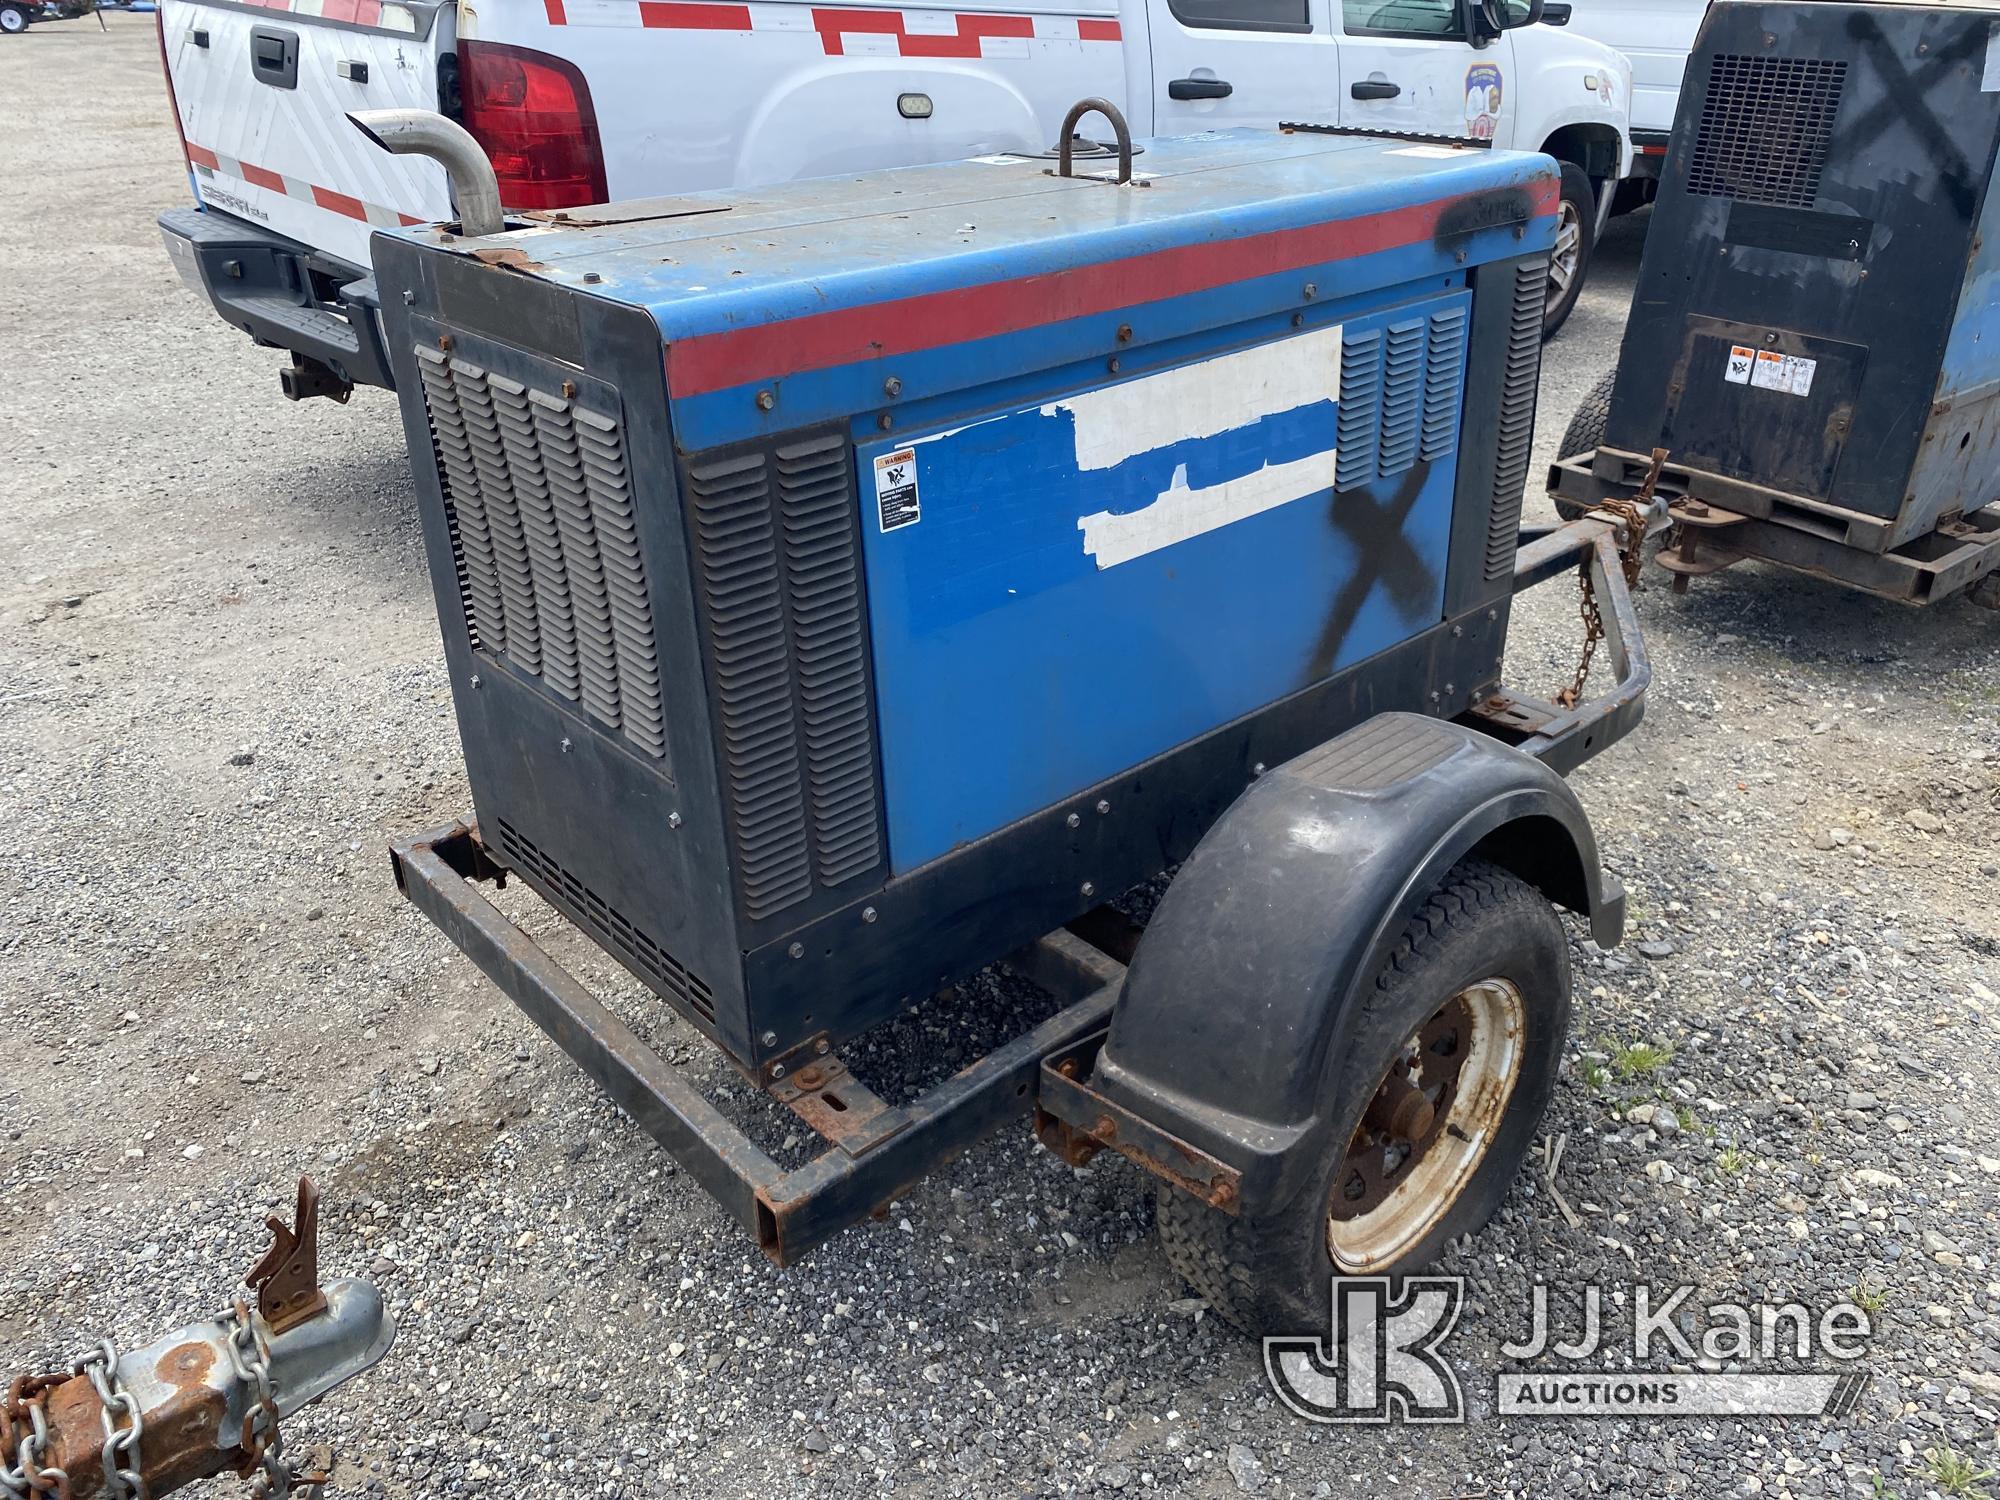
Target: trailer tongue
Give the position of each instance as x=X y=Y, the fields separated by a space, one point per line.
x=849 y=586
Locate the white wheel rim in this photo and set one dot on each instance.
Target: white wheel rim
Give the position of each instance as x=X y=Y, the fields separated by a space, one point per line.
x=1435 y=1169
x=1567 y=256
x=13 y=20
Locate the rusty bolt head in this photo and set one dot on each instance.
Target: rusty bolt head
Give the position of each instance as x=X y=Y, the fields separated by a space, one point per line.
x=807 y=1077
x=568 y=389
x=766 y=400
x=885 y=421
x=1298 y=320
x=1124 y=333
x=444 y=341
x=1112 y=364
x=822 y=1046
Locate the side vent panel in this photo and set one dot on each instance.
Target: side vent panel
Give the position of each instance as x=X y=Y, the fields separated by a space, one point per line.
x=1520 y=379
x=781 y=592
x=1401 y=387
x=672 y=978
x=539 y=504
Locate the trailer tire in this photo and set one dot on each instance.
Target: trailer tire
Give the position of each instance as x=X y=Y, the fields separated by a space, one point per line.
x=1482 y=926
x=1576 y=238
x=13 y=19
x=1584 y=434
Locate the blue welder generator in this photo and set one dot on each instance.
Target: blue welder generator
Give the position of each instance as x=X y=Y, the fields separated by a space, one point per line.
x=852 y=584
x=1814 y=347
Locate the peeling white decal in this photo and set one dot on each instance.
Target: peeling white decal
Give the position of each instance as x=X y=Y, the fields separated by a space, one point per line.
x=1202 y=400
x=1181 y=513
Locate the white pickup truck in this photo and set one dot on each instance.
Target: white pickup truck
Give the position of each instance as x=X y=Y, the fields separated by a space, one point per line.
x=585 y=101
x=1656 y=37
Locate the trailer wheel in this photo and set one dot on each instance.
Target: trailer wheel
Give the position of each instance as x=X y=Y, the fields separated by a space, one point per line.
x=1446 y=1076
x=13 y=19
x=1584 y=434
x=1569 y=259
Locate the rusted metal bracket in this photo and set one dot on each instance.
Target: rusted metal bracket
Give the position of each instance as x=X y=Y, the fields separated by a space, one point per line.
x=1076 y=1122
x=838 y=1105
x=286 y=1277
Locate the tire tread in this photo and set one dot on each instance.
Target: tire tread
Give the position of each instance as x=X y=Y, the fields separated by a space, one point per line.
x=1219 y=1255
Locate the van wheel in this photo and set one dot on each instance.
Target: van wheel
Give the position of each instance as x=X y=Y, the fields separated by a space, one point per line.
x=1576 y=237
x=13 y=19
x=1434 y=1108
x=1584 y=434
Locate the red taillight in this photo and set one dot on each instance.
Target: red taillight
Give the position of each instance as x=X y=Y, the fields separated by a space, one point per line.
x=533 y=115
x=173 y=104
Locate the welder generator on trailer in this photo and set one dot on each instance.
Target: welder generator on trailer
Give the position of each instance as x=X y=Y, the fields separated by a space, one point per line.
x=1815 y=338
x=851 y=584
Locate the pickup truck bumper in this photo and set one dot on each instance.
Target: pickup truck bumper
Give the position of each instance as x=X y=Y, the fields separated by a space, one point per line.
x=283 y=294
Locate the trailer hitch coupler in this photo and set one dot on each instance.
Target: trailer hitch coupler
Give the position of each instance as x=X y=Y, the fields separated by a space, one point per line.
x=424 y=132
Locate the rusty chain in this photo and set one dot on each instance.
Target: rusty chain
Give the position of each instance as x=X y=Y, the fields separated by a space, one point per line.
x=263 y=1445
x=1631 y=516
x=24 y=1439
x=120 y=1455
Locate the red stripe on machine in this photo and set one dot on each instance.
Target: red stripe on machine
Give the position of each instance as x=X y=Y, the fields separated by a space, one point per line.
x=258 y=177
x=819 y=341
x=201 y=156
x=555 y=12
x=1088 y=30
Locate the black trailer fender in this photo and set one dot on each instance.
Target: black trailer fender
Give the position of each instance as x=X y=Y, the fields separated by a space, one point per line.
x=1240 y=998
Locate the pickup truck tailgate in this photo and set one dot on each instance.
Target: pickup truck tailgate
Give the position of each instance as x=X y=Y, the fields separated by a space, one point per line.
x=263 y=93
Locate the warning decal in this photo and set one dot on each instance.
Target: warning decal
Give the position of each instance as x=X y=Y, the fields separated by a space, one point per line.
x=1790 y=374
x=896 y=489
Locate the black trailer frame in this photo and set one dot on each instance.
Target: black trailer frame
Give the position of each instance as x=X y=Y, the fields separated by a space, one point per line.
x=877 y=1150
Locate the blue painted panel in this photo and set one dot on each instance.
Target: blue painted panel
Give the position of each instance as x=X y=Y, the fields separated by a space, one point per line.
x=1013 y=669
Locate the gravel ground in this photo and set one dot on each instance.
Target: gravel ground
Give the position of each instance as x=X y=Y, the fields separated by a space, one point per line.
x=221 y=693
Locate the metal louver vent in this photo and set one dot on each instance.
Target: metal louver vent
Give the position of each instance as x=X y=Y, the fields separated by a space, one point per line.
x=1764 y=129
x=781 y=589
x=1401 y=387
x=539 y=503
x=1520 y=379
x=671 y=976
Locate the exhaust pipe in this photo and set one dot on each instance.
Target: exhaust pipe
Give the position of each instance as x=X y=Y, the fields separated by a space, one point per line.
x=423 y=132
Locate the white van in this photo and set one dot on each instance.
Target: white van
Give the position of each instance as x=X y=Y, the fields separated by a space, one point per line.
x=587 y=101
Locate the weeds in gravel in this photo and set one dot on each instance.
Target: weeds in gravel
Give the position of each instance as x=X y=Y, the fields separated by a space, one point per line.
x=1955 y=1473
x=1594 y=1074
x=1870 y=1299
x=1731 y=1161
x=1641 y=1059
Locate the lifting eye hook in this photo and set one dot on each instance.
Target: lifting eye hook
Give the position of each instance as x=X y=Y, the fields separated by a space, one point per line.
x=1119 y=129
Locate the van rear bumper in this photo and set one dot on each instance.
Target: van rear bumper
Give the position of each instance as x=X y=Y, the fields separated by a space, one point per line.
x=285 y=295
